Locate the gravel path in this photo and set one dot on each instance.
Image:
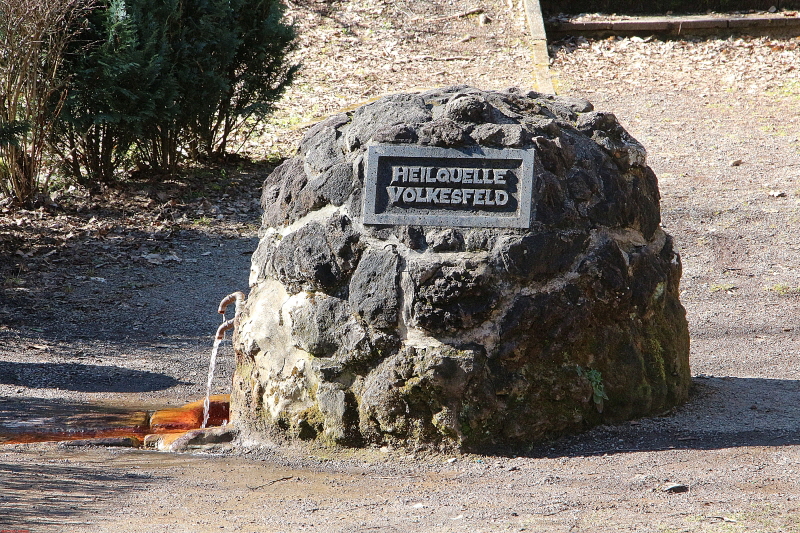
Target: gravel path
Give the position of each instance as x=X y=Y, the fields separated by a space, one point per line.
x=719 y=119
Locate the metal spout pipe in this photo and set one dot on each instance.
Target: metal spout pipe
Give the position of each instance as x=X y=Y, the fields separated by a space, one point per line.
x=237 y=297
x=225 y=326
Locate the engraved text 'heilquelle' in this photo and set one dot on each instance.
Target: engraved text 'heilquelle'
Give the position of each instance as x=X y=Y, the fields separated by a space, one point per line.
x=405 y=194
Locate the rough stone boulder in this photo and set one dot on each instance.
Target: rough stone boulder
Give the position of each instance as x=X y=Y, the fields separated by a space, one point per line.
x=452 y=336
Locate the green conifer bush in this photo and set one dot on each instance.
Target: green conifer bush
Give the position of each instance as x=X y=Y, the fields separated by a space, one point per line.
x=155 y=81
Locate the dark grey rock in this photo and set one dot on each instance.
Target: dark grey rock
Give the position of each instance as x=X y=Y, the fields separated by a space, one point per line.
x=443 y=132
x=374 y=288
x=327 y=369
x=509 y=108
x=500 y=135
x=537 y=256
x=206 y=438
x=675 y=488
x=333 y=186
x=322 y=129
x=321 y=146
x=445 y=240
x=354 y=203
x=593 y=121
x=326 y=327
x=316 y=256
x=281 y=188
x=355 y=345
x=606 y=131
x=389 y=111
x=480 y=240
x=559 y=110
x=304 y=259
x=541 y=125
x=434 y=413
x=454 y=297
x=399 y=133
x=467 y=108
x=439 y=97
x=318 y=326
x=413 y=237
x=576 y=105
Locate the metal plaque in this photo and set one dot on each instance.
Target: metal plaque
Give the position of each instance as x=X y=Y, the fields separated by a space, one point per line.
x=427 y=186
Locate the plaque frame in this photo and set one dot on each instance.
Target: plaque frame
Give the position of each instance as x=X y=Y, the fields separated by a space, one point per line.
x=443 y=217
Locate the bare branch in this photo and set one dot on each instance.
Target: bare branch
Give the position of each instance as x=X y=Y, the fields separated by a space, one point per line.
x=33 y=36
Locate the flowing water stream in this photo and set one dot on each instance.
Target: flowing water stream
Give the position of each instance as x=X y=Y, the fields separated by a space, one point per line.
x=212 y=365
x=237 y=298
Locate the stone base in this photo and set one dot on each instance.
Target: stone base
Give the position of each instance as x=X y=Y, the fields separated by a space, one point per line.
x=451 y=337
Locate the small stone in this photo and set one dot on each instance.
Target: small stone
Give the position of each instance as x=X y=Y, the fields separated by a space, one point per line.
x=736 y=162
x=772 y=9
x=484 y=19
x=203 y=438
x=445 y=240
x=152 y=440
x=443 y=132
x=675 y=488
x=165 y=442
x=777 y=194
x=452 y=460
x=399 y=133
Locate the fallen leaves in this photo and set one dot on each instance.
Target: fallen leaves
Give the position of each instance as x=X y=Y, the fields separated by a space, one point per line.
x=475 y=11
x=743 y=64
x=369 y=48
x=68 y=253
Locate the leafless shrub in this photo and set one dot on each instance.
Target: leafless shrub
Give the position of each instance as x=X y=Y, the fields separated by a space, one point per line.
x=33 y=36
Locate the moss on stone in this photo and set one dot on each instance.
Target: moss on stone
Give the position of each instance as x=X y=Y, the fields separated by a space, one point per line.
x=309 y=423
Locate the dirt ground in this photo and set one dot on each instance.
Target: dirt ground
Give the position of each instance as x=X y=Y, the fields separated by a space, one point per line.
x=114 y=303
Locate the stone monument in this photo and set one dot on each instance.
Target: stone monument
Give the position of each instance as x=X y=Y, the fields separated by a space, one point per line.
x=460 y=269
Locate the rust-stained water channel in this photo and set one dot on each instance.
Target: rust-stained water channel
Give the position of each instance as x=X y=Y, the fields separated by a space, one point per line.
x=25 y=420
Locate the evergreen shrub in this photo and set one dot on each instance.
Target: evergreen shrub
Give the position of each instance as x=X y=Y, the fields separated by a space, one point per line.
x=155 y=81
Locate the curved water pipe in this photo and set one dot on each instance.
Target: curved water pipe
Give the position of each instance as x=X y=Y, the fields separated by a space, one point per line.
x=237 y=297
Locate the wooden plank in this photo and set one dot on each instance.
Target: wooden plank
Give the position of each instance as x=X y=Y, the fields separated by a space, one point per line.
x=533 y=12
x=541 y=58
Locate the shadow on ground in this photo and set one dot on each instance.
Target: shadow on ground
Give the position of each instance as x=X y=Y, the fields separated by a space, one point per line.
x=82 y=377
x=722 y=412
x=130 y=298
x=42 y=419
x=39 y=495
